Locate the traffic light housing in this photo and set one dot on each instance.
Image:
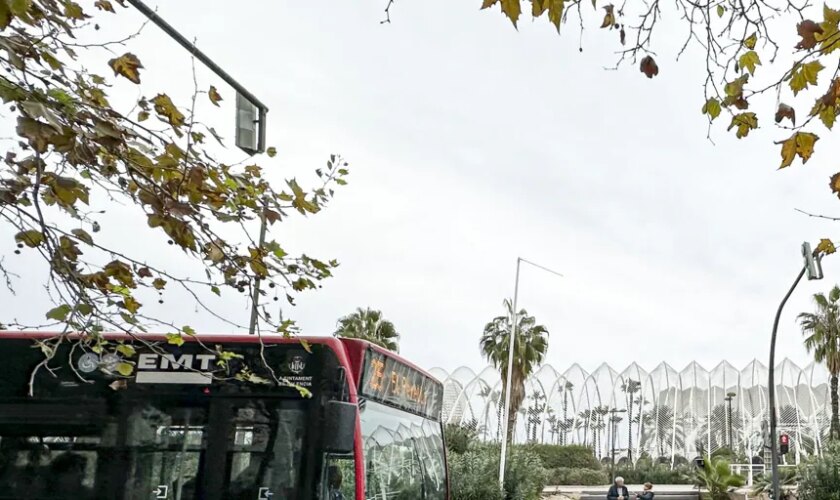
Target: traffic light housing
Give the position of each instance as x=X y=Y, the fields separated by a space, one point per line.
x=784 y=444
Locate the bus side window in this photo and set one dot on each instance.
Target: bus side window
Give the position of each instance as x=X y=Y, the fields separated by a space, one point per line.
x=339 y=478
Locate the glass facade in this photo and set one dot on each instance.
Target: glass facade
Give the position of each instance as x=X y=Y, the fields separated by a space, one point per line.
x=666 y=414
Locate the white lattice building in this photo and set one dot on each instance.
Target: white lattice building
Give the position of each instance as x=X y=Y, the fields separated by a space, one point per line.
x=664 y=413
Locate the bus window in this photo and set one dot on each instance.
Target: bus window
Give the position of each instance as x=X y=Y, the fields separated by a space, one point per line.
x=265 y=450
x=403 y=455
x=165 y=448
x=339 y=481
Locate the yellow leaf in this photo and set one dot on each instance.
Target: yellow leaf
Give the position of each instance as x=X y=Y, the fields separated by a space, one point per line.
x=128 y=66
x=538 y=7
x=125 y=369
x=72 y=10
x=214 y=95
x=749 y=61
x=166 y=109
x=142 y=116
x=803 y=75
x=835 y=184
x=488 y=3
x=174 y=339
x=828 y=114
x=744 y=123
x=829 y=34
x=712 y=108
x=826 y=246
x=512 y=9
x=31 y=238
x=720 y=10
x=800 y=143
x=306 y=346
x=271 y=152
x=751 y=41
x=126 y=350
x=609 y=17
x=131 y=304
x=555 y=12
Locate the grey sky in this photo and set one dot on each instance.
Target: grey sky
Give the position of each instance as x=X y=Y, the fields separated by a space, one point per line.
x=471 y=143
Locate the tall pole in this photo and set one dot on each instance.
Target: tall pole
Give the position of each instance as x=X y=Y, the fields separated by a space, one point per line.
x=255 y=298
x=506 y=417
x=771 y=388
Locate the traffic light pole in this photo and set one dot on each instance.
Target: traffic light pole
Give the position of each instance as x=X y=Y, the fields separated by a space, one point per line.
x=771 y=388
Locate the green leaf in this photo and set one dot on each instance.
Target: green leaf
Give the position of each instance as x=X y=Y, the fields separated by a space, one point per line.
x=126 y=350
x=174 y=339
x=271 y=152
x=308 y=348
x=751 y=41
x=749 y=61
x=159 y=283
x=720 y=10
x=216 y=290
x=712 y=108
x=125 y=369
x=743 y=122
x=805 y=74
x=82 y=235
x=31 y=238
x=59 y=313
x=188 y=330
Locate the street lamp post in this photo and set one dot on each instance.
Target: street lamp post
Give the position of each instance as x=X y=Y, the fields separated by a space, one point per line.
x=729 y=396
x=814 y=269
x=514 y=323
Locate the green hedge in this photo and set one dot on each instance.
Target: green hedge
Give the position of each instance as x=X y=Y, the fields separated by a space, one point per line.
x=657 y=474
x=571 y=456
x=584 y=477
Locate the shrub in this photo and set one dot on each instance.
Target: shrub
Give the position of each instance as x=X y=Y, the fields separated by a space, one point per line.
x=820 y=476
x=458 y=438
x=585 y=477
x=569 y=456
x=717 y=479
x=656 y=474
x=474 y=475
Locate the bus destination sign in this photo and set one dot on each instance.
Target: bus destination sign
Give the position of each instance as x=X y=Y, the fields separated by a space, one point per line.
x=392 y=382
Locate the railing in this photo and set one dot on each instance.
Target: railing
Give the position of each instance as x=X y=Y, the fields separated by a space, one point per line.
x=749 y=470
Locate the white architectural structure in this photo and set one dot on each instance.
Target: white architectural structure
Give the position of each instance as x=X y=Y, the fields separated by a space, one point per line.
x=665 y=413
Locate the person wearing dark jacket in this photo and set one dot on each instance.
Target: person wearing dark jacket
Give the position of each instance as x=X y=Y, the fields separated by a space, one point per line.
x=618 y=491
x=647 y=494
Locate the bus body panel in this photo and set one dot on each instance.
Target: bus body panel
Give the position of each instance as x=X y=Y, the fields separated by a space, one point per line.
x=349 y=354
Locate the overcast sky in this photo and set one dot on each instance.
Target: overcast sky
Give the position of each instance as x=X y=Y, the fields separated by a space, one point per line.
x=471 y=144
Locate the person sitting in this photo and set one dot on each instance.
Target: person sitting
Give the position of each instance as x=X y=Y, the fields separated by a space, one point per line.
x=618 y=491
x=647 y=494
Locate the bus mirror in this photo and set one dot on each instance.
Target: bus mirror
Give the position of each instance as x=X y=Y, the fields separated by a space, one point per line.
x=340 y=427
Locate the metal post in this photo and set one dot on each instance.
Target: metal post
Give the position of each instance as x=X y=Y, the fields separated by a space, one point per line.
x=771 y=389
x=255 y=298
x=503 y=456
x=201 y=56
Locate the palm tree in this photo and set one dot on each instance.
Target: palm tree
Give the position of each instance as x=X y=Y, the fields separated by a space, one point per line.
x=368 y=324
x=528 y=352
x=661 y=424
x=567 y=388
x=822 y=338
x=630 y=388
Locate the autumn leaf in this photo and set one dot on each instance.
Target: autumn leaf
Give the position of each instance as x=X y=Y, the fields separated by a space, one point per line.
x=609 y=16
x=104 y=5
x=166 y=109
x=271 y=152
x=720 y=10
x=835 y=184
x=214 y=95
x=712 y=108
x=488 y=3
x=648 y=67
x=74 y=11
x=804 y=74
x=829 y=34
x=59 y=313
x=31 y=238
x=126 y=350
x=142 y=116
x=825 y=246
x=786 y=111
x=749 y=61
x=808 y=30
x=801 y=144
x=555 y=12
x=128 y=66
x=512 y=9
x=751 y=41
x=743 y=122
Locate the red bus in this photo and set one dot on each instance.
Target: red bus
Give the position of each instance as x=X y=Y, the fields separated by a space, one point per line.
x=148 y=419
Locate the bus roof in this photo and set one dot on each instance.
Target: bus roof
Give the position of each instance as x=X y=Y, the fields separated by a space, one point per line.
x=353 y=348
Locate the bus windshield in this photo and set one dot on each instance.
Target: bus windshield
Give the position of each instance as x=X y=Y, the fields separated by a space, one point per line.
x=152 y=449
